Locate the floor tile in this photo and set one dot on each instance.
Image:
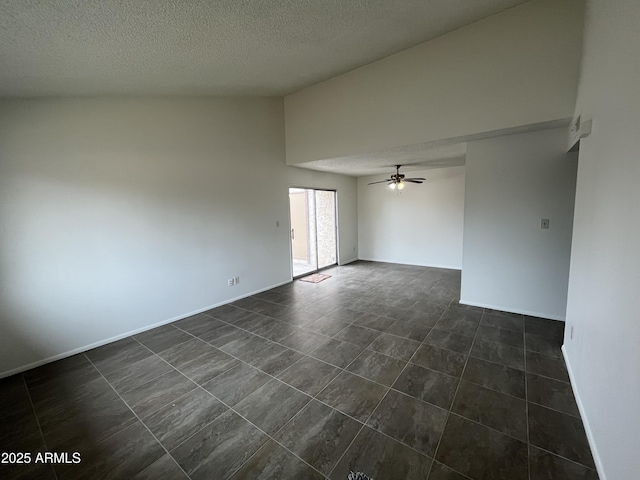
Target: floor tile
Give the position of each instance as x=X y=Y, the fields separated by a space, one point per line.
x=161 y=338
x=449 y=340
x=198 y=324
x=410 y=421
x=17 y=418
x=357 y=335
x=542 y=327
x=271 y=462
x=224 y=335
x=206 y=365
x=123 y=455
x=505 y=321
x=377 y=367
x=559 y=433
x=33 y=471
x=276 y=330
x=442 y=472
x=245 y=346
x=495 y=334
x=309 y=375
x=352 y=395
x=253 y=322
x=220 y=448
x=178 y=420
x=498 y=352
x=274 y=359
x=165 y=468
x=114 y=356
x=552 y=394
x=440 y=359
x=496 y=410
x=304 y=341
x=228 y=313
x=547 y=366
x=546 y=466
x=425 y=312
x=481 y=453
x=428 y=385
x=298 y=317
x=87 y=423
x=544 y=345
x=374 y=322
x=326 y=326
x=344 y=315
x=69 y=400
x=411 y=329
x=272 y=405
x=337 y=352
x=149 y=397
x=393 y=346
x=138 y=373
x=381 y=457
x=236 y=383
x=319 y=435
x=495 y=377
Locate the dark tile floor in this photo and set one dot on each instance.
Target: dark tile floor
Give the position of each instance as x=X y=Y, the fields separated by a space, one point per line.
x=378 y=369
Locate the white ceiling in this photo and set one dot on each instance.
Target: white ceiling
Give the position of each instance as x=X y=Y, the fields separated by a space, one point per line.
x=208 y=47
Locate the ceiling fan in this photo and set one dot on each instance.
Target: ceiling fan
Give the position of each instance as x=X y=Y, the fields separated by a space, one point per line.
x=397 y=180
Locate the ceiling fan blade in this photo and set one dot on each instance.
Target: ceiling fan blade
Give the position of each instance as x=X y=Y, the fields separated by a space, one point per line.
x=381 y=181
x=412 y=180
x=416 y=178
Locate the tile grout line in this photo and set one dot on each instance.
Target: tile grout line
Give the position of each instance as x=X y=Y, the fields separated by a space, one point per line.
x=376 y=408
x=228 y=408
x=35 y=414
x=139 y=419
x=526 y=400
x=277 y=379
x=453 y=399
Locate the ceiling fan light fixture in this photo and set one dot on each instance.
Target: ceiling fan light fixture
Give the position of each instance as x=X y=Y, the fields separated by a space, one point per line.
x=400 y=185
x=392 y=185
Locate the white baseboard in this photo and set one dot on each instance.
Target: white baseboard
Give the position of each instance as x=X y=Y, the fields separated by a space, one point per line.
x=513 y=310
x=100 y=343
x=583 y=416
x=448 y=267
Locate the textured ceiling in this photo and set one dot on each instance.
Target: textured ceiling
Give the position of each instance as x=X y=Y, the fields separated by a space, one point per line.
x=203 y=47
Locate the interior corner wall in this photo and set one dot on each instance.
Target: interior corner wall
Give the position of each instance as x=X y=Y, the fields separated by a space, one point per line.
x=604 y=303
x=516 y=68
x=509 y=263
x=119 y=214
x=422 y=225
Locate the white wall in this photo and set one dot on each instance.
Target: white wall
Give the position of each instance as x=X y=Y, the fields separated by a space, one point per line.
x=604 y=284
x=516 y=68
x=509 y=263
x=420 y=226
x=119 y=214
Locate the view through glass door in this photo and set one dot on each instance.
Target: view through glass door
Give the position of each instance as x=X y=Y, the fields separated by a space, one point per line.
x=313 y=229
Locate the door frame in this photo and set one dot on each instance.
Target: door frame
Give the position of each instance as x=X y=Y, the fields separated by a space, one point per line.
x=337 y=232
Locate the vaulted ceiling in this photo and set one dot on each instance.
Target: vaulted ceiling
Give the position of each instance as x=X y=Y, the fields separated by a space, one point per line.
x=205 y=47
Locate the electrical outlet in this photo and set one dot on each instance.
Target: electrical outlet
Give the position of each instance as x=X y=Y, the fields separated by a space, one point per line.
x=237 y=280
x=231 y=282
x=544 y=223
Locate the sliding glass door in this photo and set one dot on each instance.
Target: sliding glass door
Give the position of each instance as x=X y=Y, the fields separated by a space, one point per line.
x=313 y=230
